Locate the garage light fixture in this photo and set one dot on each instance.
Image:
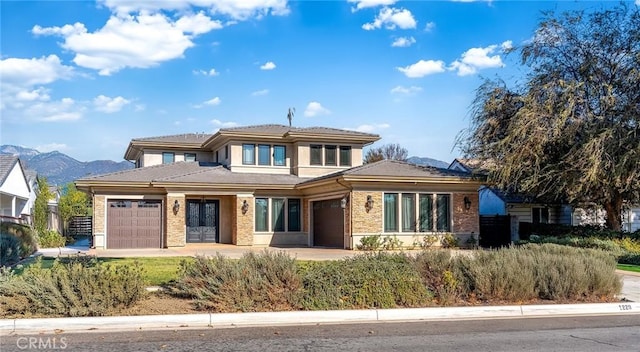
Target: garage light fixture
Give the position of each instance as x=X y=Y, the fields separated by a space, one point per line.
x=176 y=207
x=467 y=203
x=245 y=207
x=369 y=204
x=344 y=201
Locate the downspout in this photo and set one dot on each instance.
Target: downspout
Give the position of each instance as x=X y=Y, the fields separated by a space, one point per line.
x=349 y=205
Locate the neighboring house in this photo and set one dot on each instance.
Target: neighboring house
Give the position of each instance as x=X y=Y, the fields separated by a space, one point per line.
x=273 y=185
x=594 y=215
x=14 y=190
x=32 y=180
x=521 y=208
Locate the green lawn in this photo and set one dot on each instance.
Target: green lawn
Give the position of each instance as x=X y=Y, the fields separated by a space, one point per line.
x=629 y=267
x=156 y=270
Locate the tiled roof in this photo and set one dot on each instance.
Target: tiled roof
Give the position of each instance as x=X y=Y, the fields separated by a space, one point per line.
x=282 y=130
x=177 y=138
x=395 y=168
x=6 y=164
x=193 y=172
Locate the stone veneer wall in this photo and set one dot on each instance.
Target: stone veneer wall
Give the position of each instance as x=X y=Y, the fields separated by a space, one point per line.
x=362 y=221
x=465 y=221
x=242 y=234
x=176 y=233
x=99 y=204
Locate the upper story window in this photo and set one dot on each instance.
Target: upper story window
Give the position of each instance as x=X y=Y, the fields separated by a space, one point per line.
x=330 y=155
x=248 y=154
x=423 y=212
x=226 y=152
x=345 y=155
x=264 y=154
x=138 y=163
x=189 y=156
x=316 y=154
x=168 y=158
x=279 y=155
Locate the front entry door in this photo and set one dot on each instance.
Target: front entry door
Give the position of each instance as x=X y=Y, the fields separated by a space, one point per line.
x=202 y=221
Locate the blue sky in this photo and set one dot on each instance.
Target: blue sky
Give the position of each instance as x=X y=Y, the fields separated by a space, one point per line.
x=86 y=77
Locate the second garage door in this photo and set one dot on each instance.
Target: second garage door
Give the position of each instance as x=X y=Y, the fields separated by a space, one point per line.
x=328 y=223
x=134 y=224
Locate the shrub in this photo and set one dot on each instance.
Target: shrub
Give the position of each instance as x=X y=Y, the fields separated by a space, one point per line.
x=51 y=239
x=72 y=289
x=391 y=243
x=24 y=233
x=370 y=243
x=267 y=281
x=9 y=250
x=441 y=275
x=380 y=280
x=428 y=241
x=449 y=240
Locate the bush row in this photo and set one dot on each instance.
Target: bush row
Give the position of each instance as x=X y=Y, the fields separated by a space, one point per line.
x=274 y=281
x=74 y=288
x=626 y=249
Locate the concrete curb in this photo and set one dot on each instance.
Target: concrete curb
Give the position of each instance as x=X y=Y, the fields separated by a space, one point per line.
x=157 y=322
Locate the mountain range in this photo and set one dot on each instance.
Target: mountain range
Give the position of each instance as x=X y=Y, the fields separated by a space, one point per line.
x=59 y=168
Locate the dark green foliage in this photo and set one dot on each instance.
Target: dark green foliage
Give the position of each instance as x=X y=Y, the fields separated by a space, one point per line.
x=9 y=250
x=378 y=280
x=41 y=206
x=73 y=289
x=257 y=282
x=51 y=239
x=24 y=233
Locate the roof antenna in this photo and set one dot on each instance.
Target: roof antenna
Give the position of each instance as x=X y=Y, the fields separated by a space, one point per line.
x=290 y=114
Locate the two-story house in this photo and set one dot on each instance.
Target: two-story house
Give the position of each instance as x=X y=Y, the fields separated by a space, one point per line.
x=273 y=185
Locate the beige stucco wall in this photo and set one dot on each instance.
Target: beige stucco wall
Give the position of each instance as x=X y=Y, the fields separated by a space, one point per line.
x=175 y=223
x=242 y=233
x=226 y=219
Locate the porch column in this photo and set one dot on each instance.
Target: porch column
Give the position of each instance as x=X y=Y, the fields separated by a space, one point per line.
x=242 y=234
x=13 y=207
x=176 y=230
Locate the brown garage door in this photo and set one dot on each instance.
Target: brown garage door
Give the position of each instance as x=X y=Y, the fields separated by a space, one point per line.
x=134 y=224
x=328 y=223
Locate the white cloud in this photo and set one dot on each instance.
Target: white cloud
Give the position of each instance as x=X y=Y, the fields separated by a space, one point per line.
x=430 y=26
x=406 y=90
x=476 y=59
x=314 y=109
x=211 y=102
x=260 y=92
x=140 y=41
x=363 y=4
x=403 y=42
x=109 y=105
x=65 y=109
x=369 y=128
x=391 y=18
x=39 y=93
x=268 y=66
x=211 y=72
x=139 y=107
x=52 y=147
x=239 y=10
x=29 y=72
x=422 y=68
x=222 y=124
x=638 y=2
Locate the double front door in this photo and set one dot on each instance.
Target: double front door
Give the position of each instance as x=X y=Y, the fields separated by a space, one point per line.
x=202 y=220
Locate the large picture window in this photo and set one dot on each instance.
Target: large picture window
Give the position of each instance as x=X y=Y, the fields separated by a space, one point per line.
x=278 y=214
x=262 y=214
x=248 y=154
x=390 y=212
x=411 y=212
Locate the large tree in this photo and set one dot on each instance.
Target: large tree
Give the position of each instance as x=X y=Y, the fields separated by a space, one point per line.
x=571 y=130
x=386 y=152
x=73 y=203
